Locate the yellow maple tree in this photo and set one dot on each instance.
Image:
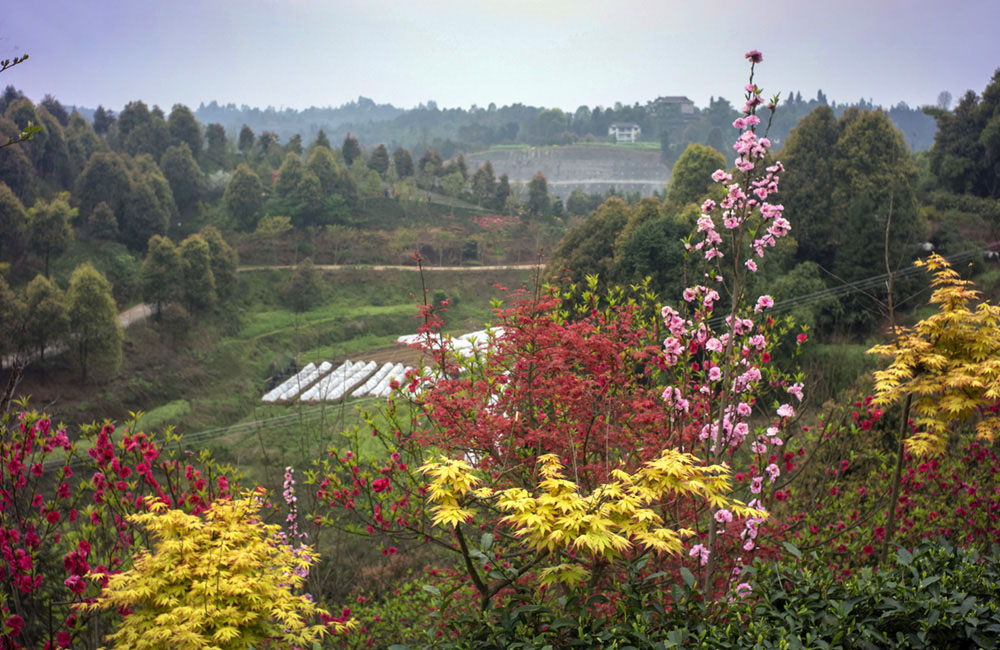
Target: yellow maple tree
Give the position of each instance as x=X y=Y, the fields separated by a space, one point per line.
x=949 y=363
x=225 y=580
x=616 y=516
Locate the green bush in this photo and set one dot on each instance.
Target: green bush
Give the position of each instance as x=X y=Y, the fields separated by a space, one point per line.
x=936 y=597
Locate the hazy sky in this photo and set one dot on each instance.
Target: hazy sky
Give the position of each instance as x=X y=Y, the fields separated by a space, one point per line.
x=564 y=53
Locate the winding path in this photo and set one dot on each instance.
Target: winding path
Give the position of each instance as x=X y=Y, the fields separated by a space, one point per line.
x=392 y=267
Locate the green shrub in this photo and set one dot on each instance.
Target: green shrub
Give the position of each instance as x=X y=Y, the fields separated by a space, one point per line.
x=937 y=597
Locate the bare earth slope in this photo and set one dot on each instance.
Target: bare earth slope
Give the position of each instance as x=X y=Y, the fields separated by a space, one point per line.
x=592 y=168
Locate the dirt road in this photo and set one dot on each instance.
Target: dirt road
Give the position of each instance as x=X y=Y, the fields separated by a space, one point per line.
x=392 y=267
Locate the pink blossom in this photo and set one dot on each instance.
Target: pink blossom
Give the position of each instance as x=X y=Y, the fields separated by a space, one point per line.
x=723 y=516
x=751 y=265
x=719 y=176
x=796 y=390
x=714 y=374
x=764 y=302
x=699 y=551
x=786 y=411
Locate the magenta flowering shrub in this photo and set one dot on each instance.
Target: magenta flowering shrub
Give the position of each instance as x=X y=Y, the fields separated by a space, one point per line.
x=65 y=516
x=840 y=505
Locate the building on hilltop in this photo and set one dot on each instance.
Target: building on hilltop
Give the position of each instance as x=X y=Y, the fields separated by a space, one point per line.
x=624 y=131
x=685 y=104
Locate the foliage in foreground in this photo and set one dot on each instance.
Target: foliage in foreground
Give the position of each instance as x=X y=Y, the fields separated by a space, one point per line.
x=938 y=596
x=223 y=580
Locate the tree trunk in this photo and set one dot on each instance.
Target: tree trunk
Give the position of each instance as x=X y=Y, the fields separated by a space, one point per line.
x=890 y=527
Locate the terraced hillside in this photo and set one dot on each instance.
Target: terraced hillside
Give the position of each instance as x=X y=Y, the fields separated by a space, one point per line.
x=592 y=168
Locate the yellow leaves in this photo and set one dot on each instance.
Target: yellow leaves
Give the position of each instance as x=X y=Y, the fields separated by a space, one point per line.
x=949 y=362
x=222 y=581
x=450 y=481
x=568 y=574
x=606 y=523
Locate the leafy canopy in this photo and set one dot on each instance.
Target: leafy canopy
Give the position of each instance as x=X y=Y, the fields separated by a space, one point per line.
x=223 y=581
x=949 y=362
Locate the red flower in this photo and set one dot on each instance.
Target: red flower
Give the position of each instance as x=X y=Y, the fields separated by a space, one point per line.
x=801 y=338
x=754 y=56
x=53 y=517
x=380 y=484
x=14 y=622
x=63 y=639
x=867 y=550
x=75 y=584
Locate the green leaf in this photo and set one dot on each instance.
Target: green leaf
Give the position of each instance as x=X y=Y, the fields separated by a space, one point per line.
x=903 y=556
x=929 y=580
x=485 y=542
x=687 y=577
x=431 y=589
x=793 y=549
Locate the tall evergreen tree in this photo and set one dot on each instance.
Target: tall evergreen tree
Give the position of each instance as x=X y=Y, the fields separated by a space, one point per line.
x=321 y=141
x=55 y=109
x=503 y=193
x=13 y=223
x=691 y=178
x=103 y=120
x=198 y=282
x=215 y=151
x=246 y=141
x=289 y=175
x=807 y=186
x=47 y=314
x=379 y=160
x=55 y=162
x=17 y=170
x=104 y=179
x=225 y=263
x=187 y=182
x=162 y=274
x=81 y=142
x=12 y=326
x=538 y=196
x=49 y=229
x=484 y=184
x=244 y=198
x=350 y=149
x=97 y=334
x=403 y=161
x=184 y=127
x=294 y=145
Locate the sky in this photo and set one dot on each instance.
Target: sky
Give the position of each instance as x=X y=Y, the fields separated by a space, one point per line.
x=552 y=53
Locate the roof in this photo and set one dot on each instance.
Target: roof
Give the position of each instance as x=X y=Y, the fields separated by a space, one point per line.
x=624 y=125
x=674 y=99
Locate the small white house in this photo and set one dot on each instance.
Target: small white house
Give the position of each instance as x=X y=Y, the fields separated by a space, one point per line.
x=624 y=131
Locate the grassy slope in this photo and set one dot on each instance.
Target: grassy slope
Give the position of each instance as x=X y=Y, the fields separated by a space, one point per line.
x=214 y=372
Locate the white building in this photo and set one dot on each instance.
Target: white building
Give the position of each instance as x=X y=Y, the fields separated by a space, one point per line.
x=624 y=131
